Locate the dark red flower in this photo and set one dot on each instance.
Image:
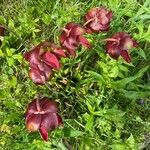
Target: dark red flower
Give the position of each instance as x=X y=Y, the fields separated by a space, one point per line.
x=42 y=115
x=97 y=19
x=119 y=44
x=42 y=59
x=72 y=36
x=2 y=32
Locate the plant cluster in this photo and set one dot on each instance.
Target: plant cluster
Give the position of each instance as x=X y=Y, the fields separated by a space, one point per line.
x=81 y=65
x=44 y=57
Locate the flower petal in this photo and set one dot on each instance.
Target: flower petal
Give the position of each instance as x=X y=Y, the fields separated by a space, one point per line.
x=45 y=45
x=104 y=20
x=50 y=121
x=51 y=60
x=102 y=11
x=48 y=106
x=37 y=76
x=33 y=57
x=88 y=30
x=59 y=52
x=31 y=108
x=126 y=43
x=33 y=122
x=62 y=37
x=126 y=56
x=46 y=70
x=70 y=47
x=114 y=51
x=135 y=43
x=120 y=35
x=71 y=52
x=76 y=31
x=44 y=133
x=95 y=25
x=71 y=43
x=60 y=122
x=91 y=13
x=84 y=42
x=110 y=15
x=70 y=25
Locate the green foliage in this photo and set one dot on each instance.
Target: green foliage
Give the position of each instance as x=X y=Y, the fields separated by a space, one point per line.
x=104 y=103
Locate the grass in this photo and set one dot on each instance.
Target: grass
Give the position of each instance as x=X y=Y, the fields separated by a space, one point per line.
x=104 y=103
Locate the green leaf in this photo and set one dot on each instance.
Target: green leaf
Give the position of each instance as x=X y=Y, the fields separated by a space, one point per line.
x=11 y=23
x=123 y=68
x=1 y=53
x=18 y=57
x=131 y=143
x=46 y=19
x=142 y=53
x=13 y=81
x=10 y=51
x=96 y=76
x=2 y=20
x=90 y=108
x=69 y=132
x=10 y=61
x=123 y=82
x=118 y=146
x=89 y=123
x=115 y=115
x=114 y=72
x=135 y=95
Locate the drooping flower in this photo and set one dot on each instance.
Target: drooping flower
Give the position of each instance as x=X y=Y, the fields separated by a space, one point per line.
x=97 y=20
x=72 y=37
x=42 y=115
x=2 y=32
x=42 y=59
x=119 y=44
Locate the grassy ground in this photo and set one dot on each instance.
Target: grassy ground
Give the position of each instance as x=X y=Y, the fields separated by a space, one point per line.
x=104 y=103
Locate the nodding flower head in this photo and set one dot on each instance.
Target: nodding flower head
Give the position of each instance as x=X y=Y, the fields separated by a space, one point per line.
x=72 y=36
x=42 y=115
x=119 y=44
x=42 y=59
x=97 y=20
x=2 y=32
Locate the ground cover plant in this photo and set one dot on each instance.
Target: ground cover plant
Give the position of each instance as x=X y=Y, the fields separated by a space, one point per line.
x=90 y=59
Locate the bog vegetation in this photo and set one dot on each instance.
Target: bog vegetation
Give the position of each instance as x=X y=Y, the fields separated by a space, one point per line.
x=79 y=67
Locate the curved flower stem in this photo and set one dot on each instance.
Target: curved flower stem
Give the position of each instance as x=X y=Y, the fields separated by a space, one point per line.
x=38 y=105
x=66 y=30
x=89 y=21
x=110 y=39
